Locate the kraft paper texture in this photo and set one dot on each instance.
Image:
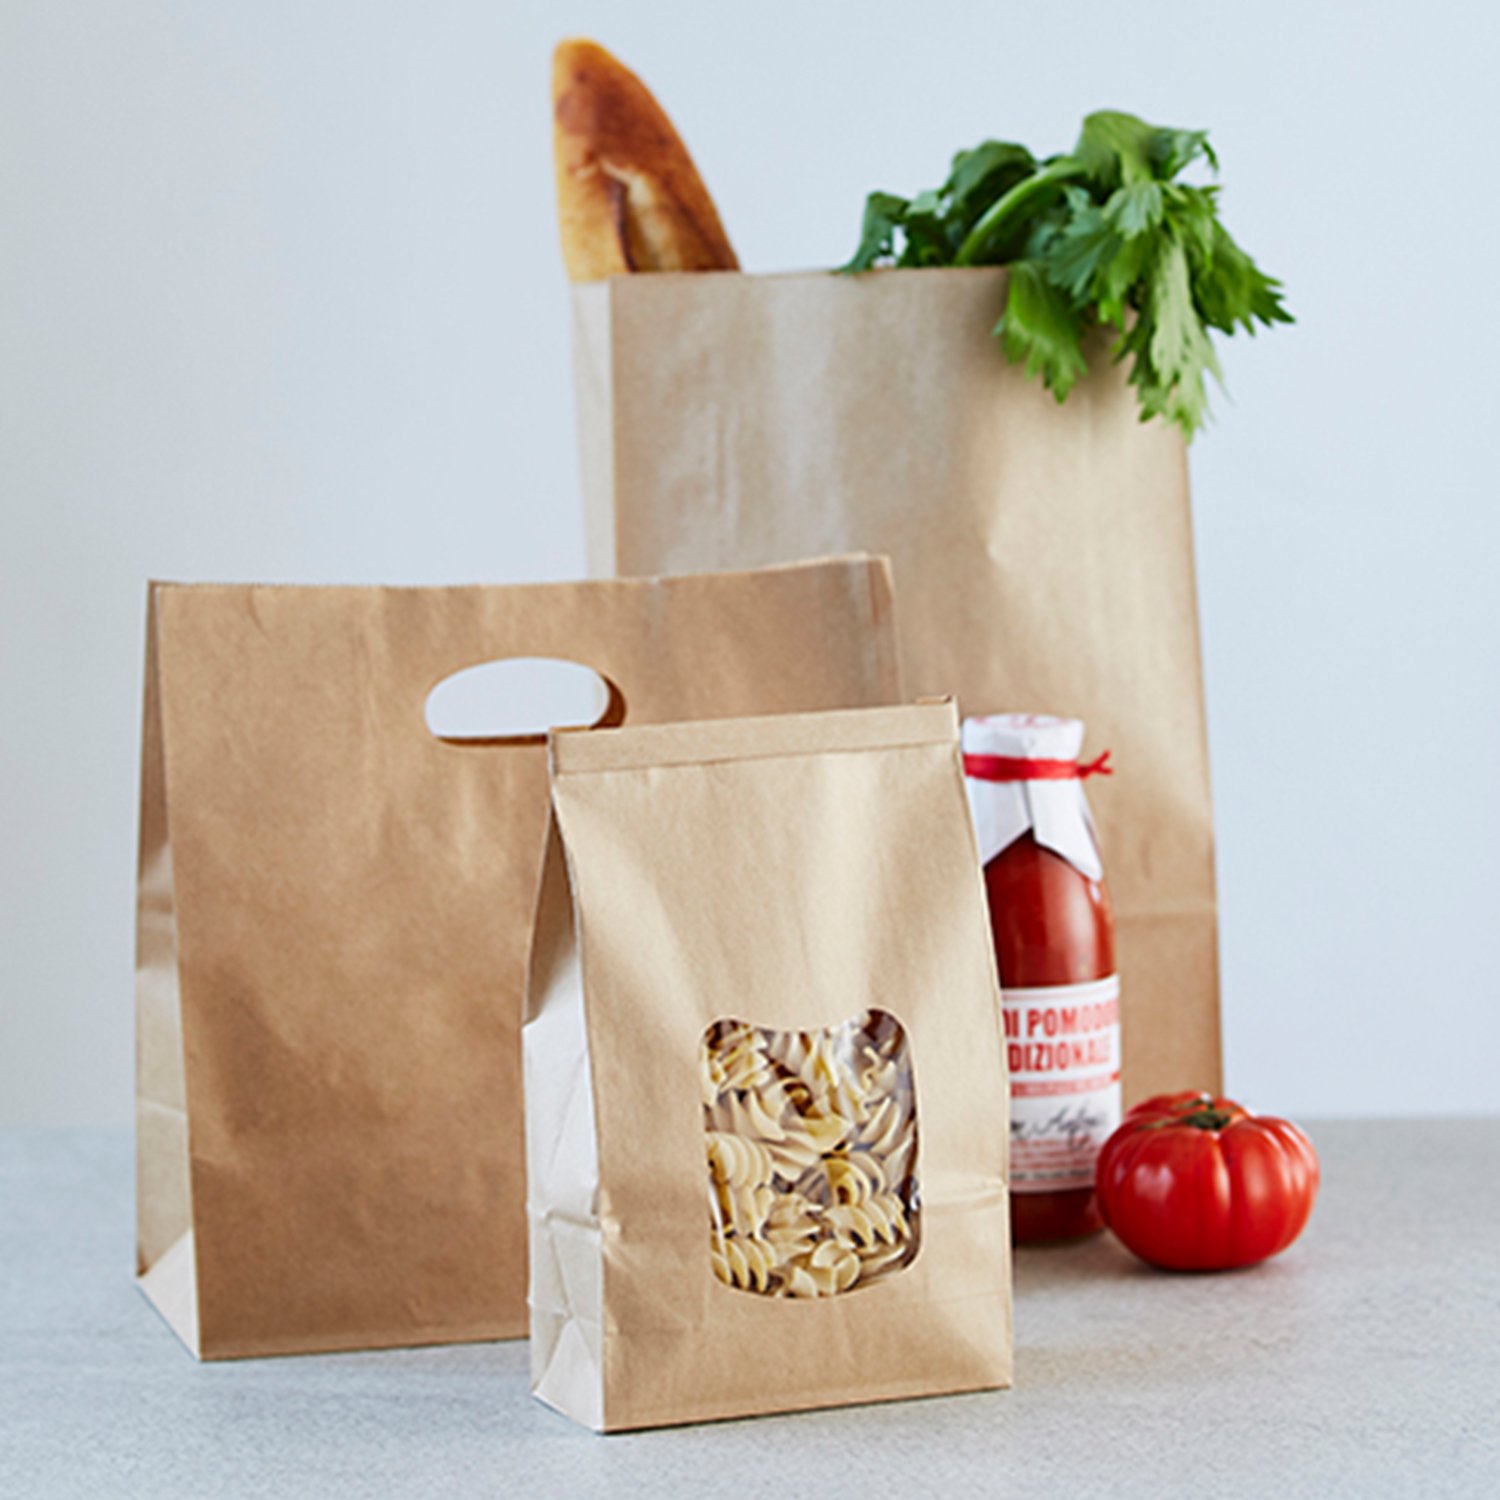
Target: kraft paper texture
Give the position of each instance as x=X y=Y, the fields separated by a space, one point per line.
x=335 y=915
x=1042 y=554
x=791 y=873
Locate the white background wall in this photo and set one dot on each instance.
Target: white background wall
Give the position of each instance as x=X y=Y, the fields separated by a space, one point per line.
x=280 y=299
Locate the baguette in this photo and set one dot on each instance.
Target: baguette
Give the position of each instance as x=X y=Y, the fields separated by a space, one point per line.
x=628 y=195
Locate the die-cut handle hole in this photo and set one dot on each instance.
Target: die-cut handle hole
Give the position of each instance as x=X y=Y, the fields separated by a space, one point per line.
x=516 y=700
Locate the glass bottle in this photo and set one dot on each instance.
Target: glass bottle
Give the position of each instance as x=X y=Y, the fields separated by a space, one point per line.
x=1054 y=943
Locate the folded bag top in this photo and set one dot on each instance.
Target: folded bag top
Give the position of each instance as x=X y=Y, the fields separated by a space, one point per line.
x=766 y=1094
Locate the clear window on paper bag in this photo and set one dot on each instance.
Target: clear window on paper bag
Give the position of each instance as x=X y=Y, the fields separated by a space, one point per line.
x=812 y=1155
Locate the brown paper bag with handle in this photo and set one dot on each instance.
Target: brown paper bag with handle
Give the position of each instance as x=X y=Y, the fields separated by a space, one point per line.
x=1042 y=554
x=765 y=1085
x=335 y=912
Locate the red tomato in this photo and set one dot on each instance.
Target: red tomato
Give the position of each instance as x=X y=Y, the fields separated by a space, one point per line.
x=1194 y=1183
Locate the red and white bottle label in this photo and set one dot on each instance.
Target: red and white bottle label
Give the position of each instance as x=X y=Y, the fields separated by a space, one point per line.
x=1062 y=1044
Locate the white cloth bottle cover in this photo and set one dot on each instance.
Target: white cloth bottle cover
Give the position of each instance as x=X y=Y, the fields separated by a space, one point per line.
x=1062 y=1041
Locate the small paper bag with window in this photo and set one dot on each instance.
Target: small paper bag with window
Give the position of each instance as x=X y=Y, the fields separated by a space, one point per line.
x=765 y=1087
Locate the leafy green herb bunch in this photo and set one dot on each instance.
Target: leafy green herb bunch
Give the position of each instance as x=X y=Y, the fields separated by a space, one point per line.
x=1109 y=235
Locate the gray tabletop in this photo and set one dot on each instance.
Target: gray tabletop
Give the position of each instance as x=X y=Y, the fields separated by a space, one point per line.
x=1365 y=1361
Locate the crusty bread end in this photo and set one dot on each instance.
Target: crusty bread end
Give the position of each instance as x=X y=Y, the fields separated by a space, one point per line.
x=628 y=195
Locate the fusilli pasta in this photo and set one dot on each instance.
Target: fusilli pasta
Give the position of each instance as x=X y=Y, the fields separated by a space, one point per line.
x=812 y=1146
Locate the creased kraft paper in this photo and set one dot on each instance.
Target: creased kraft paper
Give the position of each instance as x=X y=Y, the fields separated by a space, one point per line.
x=1042 y=554
x=335 y=914
x=791 y=873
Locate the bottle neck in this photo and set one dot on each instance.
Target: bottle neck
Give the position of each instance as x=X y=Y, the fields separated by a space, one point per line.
x=1054 y=813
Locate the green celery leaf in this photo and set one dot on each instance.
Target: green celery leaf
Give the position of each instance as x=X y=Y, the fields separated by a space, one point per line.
x=1171 y=345
x=981 y=176
x=926 y=232
x=1041 y=327
x=1078 y=256
x=1193 y=213
x=1135 y=208
x=1232 y=291
x=1004 y=228
x=1173 y=151
x=884 y=213
x=1115 y=148
x=1119 y=283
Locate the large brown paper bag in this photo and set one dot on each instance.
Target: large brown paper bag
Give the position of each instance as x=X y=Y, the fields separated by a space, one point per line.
x=766 y=1100
x=335 y=915
x=1042 y=554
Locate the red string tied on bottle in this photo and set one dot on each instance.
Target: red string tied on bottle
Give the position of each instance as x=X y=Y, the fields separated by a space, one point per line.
x=1020 y=768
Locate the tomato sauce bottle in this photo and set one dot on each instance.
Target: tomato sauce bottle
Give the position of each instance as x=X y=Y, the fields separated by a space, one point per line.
x=1055 y=946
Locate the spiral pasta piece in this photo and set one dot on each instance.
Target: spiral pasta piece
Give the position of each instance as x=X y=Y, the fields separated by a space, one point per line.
x=853 y=1178
x=745 y=1261
x=737 y=1160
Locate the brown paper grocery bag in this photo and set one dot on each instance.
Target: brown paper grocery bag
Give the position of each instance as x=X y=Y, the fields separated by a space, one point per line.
x=334 y=923
x=1042 y=554
x=766 y=1099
